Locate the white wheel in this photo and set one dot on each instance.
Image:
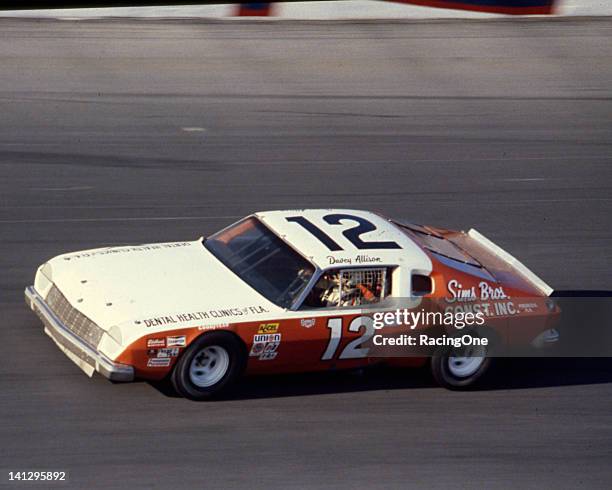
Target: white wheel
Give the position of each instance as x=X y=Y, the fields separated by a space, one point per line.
x=467 y=364
x=460 y=368
x=209 y=366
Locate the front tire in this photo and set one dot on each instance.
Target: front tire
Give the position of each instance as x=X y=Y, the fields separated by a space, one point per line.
x=460 y=368
x=209 y=367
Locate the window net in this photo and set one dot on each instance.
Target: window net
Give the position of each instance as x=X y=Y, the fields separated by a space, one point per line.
x=362 y=286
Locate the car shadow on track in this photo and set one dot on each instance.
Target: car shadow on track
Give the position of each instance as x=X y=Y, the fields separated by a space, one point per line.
x=523 y=373
x=507 y=374
x=319 y=383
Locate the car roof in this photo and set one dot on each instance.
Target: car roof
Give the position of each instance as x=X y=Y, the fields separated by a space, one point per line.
x=321 y=236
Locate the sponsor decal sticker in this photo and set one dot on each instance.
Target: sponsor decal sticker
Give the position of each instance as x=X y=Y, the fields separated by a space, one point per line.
x=483 y=292
x=123 y=250
x=159 y=362
x=358 y=259
x=160 y=321
x=267 y=337
x=258 y=348
x=528 y=307
x=268 y=328
x=307 y=322
x=213 y=327
x=170 y=352
x=177 y=340
x=265 y=346
x=495 y=308
x=268 y=356
x=156 y=343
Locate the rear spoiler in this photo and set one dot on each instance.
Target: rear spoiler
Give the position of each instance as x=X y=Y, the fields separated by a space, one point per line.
x=516 y=264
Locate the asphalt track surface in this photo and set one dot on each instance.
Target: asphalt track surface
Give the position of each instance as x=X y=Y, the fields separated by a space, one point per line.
x=115 y=132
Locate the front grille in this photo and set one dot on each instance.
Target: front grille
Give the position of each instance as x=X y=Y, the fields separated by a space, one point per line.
x=73 y=319
x=80 y=353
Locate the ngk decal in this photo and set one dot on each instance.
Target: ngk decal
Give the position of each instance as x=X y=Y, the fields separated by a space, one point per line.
x=178 y=340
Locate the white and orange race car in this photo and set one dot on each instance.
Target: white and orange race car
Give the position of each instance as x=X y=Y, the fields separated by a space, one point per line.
x=280 y=291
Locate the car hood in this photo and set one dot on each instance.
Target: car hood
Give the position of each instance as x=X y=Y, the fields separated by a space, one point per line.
x=154 y=287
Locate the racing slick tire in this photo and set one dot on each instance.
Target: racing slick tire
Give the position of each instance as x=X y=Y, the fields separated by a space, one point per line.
x=460 y=368
x=209 y=367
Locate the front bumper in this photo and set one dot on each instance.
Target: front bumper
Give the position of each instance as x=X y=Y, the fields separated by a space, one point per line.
x=81 y=353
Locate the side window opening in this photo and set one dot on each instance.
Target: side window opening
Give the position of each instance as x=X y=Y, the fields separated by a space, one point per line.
x=349 y=287
x=421 y=285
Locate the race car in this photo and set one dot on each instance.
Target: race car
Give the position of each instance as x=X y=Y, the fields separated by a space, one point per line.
x=278 y=292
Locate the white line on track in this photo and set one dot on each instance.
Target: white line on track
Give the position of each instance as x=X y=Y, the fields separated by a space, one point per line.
x=428 y=160
x=100 y=220
x=534 y=179
x=62 y=189
x=193 y=218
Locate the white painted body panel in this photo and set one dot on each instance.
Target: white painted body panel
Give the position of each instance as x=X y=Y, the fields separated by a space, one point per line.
x=314 y=250
x=513 y=262
x=129 y=287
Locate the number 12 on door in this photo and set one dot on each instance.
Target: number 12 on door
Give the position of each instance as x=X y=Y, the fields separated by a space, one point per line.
x=353 y=349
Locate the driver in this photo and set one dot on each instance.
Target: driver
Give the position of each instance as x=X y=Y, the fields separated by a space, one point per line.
x=329 y=292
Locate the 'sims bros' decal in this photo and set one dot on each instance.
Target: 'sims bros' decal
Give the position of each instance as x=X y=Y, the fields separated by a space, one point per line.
x=475 y=299
x=485 y=292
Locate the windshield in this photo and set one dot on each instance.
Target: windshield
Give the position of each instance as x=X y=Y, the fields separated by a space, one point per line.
x=262 y=260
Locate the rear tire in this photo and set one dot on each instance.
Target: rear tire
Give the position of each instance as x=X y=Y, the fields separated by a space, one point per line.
x=458 y=369
x=209 y=367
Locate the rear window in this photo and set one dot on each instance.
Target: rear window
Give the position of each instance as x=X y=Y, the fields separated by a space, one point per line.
x=438 y=244
x=446 y=251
